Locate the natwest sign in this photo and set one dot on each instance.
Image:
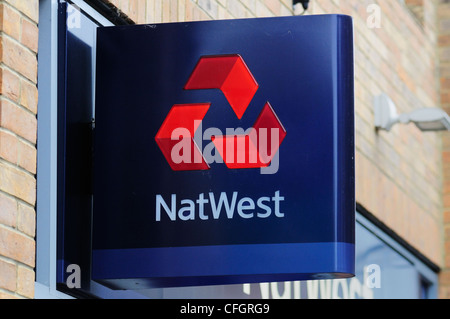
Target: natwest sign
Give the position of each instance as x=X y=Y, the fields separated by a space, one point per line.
x=246 y=207
x=224 y=152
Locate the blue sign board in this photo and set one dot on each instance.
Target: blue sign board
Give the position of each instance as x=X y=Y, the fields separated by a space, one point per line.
x=224 y=152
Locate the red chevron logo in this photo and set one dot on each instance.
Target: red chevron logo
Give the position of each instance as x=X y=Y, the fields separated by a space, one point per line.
x=182 y=120
x=228 y=73
x=254 y=149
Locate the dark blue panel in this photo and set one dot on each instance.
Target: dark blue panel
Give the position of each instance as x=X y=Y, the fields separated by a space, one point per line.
x=226 y=264
x=75 y=105
x=304 y=68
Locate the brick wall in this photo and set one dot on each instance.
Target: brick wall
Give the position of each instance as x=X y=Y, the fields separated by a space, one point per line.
x=157 y=11
x=18 y=128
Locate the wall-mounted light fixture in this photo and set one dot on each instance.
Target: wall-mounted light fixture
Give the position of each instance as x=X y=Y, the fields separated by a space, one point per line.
x=426 y=119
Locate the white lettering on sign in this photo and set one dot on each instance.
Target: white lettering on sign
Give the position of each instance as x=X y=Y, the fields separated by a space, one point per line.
x=192 y=209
